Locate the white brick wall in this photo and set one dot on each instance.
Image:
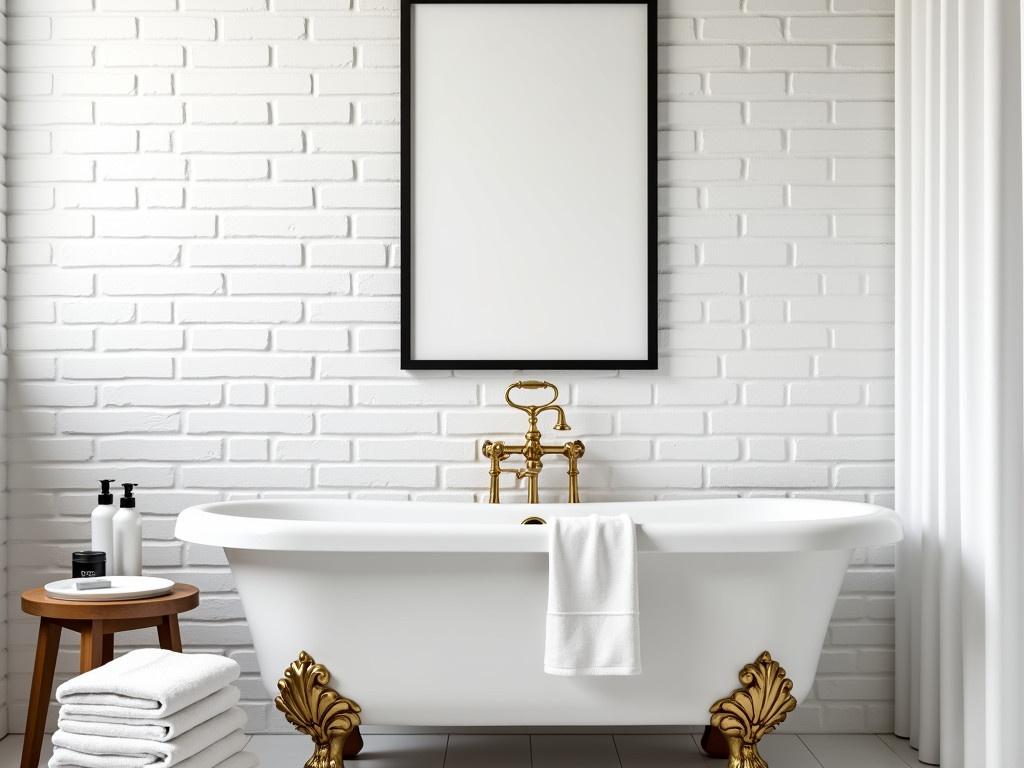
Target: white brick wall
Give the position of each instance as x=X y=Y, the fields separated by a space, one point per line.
x=3 y=396
x=204 y=285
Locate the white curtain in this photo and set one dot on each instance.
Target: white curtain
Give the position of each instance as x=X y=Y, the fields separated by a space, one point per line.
x=959 y=456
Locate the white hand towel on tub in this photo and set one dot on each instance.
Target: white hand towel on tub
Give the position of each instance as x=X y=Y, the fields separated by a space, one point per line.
x=152 y=681
x=593 y=625
x=126 y=723
x=140 y=753
x=219 y=755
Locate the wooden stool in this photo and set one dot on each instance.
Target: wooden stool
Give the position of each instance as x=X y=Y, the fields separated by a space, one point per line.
x=96 y=622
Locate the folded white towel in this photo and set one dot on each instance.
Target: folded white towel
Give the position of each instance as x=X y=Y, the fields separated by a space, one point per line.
x=213 y=756
x=142 y=753
x=151 y=679
x=593 y=625
x=97 y=721
x=239 y=760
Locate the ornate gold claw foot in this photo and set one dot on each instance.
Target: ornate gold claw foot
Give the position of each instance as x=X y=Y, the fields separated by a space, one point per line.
x=753 y=711
x=319 y=711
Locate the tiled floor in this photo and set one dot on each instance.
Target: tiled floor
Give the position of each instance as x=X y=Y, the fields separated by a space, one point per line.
x=459 y=750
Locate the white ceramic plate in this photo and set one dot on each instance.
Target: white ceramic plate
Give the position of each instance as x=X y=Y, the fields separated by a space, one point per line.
x=121 y=588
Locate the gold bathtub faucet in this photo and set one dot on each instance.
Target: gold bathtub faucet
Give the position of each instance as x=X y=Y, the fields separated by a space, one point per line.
x=532 y=449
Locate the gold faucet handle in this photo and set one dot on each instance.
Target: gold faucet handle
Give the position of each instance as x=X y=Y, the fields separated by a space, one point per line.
x=531 y=384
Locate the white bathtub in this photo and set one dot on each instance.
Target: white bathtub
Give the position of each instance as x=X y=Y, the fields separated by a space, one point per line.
x=433 y=614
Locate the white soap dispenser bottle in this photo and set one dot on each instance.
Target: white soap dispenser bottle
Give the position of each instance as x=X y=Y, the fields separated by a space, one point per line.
x=102 y=525
x=128 y=536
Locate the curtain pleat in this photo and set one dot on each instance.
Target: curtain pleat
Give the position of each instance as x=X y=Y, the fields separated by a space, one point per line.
x=960 y=381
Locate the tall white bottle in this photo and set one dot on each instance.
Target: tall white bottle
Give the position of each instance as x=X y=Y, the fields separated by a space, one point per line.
x=128 y=535
x=102 y=525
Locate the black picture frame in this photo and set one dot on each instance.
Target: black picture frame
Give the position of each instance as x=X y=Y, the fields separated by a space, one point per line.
x=409 y=361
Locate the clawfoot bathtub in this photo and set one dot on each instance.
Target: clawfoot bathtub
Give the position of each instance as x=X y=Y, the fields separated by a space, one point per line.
x=432 y=614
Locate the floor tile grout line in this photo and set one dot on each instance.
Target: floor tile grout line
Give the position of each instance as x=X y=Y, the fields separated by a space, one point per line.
x=444 y=757
x=898 y=755
x=811 y=751
x=615 y=746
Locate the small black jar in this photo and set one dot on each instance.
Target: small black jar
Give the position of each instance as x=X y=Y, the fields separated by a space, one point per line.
x=88 y=564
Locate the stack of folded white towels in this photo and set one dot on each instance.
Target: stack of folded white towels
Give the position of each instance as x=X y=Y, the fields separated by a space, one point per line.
x=153 y=709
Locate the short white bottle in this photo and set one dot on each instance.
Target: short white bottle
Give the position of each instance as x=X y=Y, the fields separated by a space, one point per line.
x=102 y=526
x=128 y=536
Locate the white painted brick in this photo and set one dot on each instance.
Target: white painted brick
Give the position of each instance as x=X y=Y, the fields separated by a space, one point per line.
x=247 y=393
x=314 y=168
x=140 y=55
x=337 y=395
x=264 y=27
x=49 y=112
x=231 y=421
x=244 y=254
x=209 y=339
x=306 y=282
x=231 y=311
x=149 y=449
x=48 y=56
x=783 y=421
x=379 y=422
x=319 y=225
x=768 y=476
x=287 y=449
x=139 y=224
x=97 y=312
x=221 y=140
x=212 y=111
x=28 y=28
x=842 y=28
x=234 y=55
x=223 y=196
x=177 y=28
x=243 y=366
x=118 y=253
x=94 y=28
x=766 y=449
x=161 y=395
x=233 y=82
x=111 y=422
x=135 y=283
x=311 y=340
x=750 y=29
x=248 y=476
x=355 y=27
x=764 y=393
x=110 y=367
x=228 y=168
x=28 y=225
x=314 y=55
x=839 y=85
x=370 y=476
x=249 y=449
x=317 y=109
x=789 y=114
x=125 y=339
x=355 y=83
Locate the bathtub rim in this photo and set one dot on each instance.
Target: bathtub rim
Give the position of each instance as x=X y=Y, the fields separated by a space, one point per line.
x=857 y=524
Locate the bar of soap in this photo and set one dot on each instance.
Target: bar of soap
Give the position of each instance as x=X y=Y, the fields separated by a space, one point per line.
x=93 y=584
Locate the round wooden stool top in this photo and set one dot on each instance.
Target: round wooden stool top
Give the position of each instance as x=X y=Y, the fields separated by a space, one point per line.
x=184 y=597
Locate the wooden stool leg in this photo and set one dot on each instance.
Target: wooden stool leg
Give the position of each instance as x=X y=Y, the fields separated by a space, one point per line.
x=92 y=646
x=39 y=699
x=108 y=647
x=170 y=634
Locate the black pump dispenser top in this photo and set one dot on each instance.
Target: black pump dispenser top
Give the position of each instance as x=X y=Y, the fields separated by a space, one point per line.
x=128 y=500
x=106 y=497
